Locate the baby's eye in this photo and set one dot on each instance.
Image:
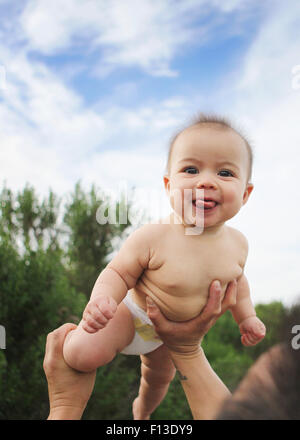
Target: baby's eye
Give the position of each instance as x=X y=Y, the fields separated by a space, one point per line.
x=191 y=170
x=225 y=173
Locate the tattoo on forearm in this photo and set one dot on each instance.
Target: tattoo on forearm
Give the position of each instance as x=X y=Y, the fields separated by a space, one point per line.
x=181 y=376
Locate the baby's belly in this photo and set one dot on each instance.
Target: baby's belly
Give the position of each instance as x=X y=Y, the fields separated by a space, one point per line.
x=177 y=306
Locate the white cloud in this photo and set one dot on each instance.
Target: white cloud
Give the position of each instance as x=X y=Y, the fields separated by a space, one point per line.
x=265 y=102
x=142 y=33
x=49 y=138
x=44 y=126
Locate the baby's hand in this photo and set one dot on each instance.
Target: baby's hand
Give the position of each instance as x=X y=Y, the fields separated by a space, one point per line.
x=98 y=312
x=252 y=331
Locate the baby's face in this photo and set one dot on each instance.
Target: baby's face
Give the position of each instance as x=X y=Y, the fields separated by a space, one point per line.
x=216 y=161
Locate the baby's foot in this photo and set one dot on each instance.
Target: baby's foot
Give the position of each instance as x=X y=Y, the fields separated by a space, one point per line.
x=137 y=412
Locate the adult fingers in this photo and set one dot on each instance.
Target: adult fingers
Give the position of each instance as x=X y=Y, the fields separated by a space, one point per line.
x=230 y=296
x=153 y=311
x=54 y=342
x=157 y=318
x=213 y=305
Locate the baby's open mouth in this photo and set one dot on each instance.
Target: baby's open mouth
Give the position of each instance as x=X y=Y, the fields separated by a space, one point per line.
x=205 y=204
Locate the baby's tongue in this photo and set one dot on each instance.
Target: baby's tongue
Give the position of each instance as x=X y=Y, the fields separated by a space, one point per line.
x=205 y=204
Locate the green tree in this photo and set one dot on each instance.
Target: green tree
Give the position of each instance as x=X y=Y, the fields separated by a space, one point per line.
x=36 y=297
x=36 y=294
x=27 y=222
x=50 y=257
x=89 y=243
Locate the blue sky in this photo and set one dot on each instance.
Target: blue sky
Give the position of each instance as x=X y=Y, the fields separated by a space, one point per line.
x=94 y=89
x=197 y=65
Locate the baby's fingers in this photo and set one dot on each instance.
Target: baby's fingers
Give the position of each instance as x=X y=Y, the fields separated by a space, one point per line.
x=261 y=330
x=247 y=340
x=257 y=332
x=251 y=338
x=107 y=307
x=88 y=328
x=90 y=324
x=93 y=314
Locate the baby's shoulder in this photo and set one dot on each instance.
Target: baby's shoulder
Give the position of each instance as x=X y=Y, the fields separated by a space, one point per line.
x=240 y=245
x=152 y=232
x=153 y=237
x=239 y=238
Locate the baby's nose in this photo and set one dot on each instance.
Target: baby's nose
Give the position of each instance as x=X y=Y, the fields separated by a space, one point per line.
x=206 y=184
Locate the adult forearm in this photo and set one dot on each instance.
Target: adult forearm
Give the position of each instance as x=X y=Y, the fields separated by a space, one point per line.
x=203 y=388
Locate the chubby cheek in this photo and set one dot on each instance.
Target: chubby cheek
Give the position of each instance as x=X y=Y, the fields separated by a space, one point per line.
x=234 y=198
x=180 y=197
x=176 y=199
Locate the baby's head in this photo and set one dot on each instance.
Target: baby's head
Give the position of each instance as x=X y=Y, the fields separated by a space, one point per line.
x=210 y=154
x=214 y=122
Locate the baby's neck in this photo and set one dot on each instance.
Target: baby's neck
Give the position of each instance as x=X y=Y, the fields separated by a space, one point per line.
x=188 y=229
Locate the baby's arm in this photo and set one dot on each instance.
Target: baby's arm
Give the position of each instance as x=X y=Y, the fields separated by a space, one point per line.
x=119 y=276
x=251 y=327
x=244 y=307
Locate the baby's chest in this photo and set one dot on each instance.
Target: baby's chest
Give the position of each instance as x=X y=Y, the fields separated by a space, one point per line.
x=195 y=269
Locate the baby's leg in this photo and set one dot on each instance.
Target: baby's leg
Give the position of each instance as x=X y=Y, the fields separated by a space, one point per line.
x=157 y=372
x=87 y=351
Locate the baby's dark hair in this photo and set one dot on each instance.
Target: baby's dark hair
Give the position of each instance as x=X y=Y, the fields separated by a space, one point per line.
x=219 y=122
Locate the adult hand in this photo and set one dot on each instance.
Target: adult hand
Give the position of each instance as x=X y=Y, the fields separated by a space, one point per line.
x=185 y=337
x=69 y=390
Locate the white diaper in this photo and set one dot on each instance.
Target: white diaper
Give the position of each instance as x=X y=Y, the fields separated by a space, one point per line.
x=145 y=339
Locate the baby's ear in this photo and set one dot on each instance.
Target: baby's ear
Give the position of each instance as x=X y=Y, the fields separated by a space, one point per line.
x=167 y=183
x=248 y=191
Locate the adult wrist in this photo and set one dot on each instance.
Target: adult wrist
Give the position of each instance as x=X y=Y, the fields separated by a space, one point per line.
x=185 y=351
x=65 y=413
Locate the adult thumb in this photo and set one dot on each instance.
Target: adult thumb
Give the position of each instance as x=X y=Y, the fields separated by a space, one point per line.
x=152 y=310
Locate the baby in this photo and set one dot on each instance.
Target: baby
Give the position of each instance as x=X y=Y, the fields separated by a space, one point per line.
x=172 y=266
